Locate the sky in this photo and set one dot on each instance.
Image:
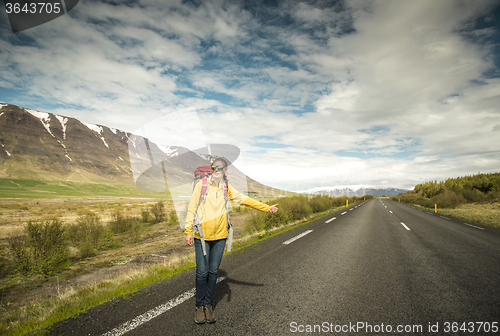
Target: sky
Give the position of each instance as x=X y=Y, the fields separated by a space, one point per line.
x=314 y=93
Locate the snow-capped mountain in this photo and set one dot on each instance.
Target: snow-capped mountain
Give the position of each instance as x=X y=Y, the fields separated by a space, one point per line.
x=45 y=146
x=354 y=190
x=42 y=145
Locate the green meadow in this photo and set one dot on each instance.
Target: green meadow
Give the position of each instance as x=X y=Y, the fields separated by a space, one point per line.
x=36 y=189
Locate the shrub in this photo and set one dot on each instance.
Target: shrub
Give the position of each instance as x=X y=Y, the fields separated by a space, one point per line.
x=172 y=218
x=122 y=224
x=20 y=252
x=49 y=249
x=91 y=228
x=473 y=195
x=42 y=250
x=89 y=234
x=448 y=200
x=290 y=209
x=297 y=207
x=145 y=216
x=135 y=231
x=158 y=211
x=425 y=202
x=254 y=223
x=86 y=250
x=493 y=194
x=107 y=241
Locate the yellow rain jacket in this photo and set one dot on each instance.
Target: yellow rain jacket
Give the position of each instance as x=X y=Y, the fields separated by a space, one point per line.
x=212 y=210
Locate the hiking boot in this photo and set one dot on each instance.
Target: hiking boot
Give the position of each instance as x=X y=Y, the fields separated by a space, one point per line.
x=209 y=314
x=199 y=315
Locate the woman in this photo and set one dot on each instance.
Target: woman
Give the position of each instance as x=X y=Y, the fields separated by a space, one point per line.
x=213 y=216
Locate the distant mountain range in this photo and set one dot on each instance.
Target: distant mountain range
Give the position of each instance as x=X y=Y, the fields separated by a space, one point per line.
x=45 y=146
x=353 y=191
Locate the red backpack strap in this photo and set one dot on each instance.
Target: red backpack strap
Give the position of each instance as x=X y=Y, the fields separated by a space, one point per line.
x=196 y=221
x=226 y=193
x=204 y=189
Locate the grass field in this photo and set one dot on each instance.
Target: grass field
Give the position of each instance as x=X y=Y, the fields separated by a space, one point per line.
x=484 y=213
x=37 y=189
x=25 y=298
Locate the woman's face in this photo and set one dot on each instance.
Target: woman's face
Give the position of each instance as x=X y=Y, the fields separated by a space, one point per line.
x=218 y=169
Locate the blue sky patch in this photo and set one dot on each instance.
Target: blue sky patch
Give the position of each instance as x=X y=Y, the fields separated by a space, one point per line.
x=376 y=130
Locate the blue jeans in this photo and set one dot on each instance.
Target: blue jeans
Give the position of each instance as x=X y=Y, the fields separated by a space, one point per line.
x=207 y=269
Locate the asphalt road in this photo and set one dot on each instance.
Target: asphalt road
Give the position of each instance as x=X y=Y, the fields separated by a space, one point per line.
x=378 y=268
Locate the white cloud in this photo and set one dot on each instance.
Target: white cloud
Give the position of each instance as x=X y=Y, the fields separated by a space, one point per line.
x=295 y=87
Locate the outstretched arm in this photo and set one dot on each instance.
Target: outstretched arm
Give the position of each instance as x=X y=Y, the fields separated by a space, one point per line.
x=239 y=198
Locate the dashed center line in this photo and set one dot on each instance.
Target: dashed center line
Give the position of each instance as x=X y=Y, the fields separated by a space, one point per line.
x=406 y=227
x=343 y=213
x=331 y=219
x=391 y=211
x=297 y=237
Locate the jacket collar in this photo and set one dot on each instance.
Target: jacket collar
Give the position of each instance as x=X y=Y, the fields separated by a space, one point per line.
x=211 y=181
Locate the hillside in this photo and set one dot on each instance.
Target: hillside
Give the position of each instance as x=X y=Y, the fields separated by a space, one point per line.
x=44 y=146
x=455 y=191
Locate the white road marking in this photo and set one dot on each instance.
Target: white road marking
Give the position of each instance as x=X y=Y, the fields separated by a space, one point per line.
x=297 y=237
x=331 y=219
x=391 y=211
x=343 y=213
x=406 y=227
x=445 y=217
x=151 y=314
x=477 y=227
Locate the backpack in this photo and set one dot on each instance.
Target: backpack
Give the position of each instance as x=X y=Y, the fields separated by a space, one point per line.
x=203 y=173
